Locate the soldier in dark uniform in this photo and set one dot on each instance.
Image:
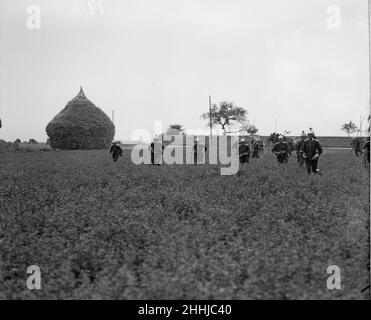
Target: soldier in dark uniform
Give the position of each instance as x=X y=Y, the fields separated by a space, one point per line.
x=115 y=151
x=281 y=149
x=367 y=149
x=244 y=151
x=299 y=149
x=261 y=148
x=311 y=151
x=290 y=146
x=195 y=150
x=255 y=148
x=357 y=146
x=198 y=150
x=154 y=150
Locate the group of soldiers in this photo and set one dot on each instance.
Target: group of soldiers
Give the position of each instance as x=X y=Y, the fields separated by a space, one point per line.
x=361 y=147
x=244 y=149
x=308 y=150
x=198 y=151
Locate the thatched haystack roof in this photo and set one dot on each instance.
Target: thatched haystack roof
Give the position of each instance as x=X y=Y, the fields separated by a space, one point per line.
x=81 y=125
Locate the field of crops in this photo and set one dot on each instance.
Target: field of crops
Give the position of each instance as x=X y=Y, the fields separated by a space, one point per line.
x=105 y=230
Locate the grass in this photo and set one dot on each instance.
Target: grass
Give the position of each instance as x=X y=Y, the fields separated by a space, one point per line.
x=100 y=230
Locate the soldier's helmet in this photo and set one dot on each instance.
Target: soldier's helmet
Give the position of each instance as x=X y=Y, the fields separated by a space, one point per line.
x=303 y=134
x=311 y=132
x=280 y=137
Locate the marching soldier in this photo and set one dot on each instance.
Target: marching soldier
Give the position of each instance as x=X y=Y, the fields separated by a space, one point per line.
x=198 y=151
x=300 y=149
x=367 y=150
x=261 y=148
x=311 y=151
x=290 y=145
x=357 y=146
x=155 y=154
x=115 y=151
x=255 y=147
x=244 y=151
x=281 y=149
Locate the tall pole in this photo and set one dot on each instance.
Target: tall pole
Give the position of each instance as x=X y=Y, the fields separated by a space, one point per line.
x=275 y=125
x=113 y=116
x=360 y=125
x=369 y=59
x=211 y=128
x=369 y=79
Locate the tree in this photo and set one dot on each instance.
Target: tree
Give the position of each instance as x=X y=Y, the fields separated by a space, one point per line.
x=175 y=129
x=349 y=127
x=249 y=128
x=225 y=115
x=252 y=130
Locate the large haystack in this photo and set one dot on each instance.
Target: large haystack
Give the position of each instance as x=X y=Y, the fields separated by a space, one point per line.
x=80 y=125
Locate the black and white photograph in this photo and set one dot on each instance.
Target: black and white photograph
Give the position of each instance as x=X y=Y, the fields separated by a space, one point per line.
x=185 y=150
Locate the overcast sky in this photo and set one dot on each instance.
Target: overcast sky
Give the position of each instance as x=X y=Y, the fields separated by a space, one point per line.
x=160 y=60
